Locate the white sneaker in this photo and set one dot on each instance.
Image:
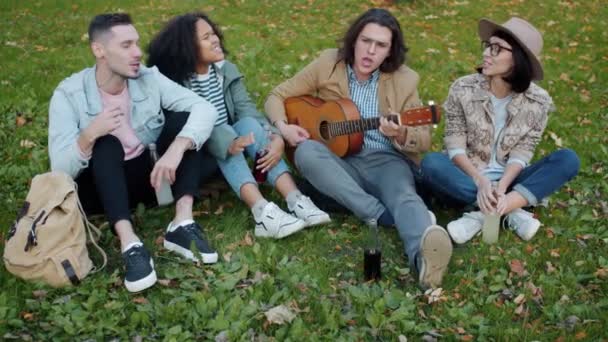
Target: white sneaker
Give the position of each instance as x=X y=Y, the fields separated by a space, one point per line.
x=523 y=223
x=307 y=211
x=276 y=223
x=463 y=229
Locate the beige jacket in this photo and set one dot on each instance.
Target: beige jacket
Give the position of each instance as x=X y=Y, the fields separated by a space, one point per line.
x=326 y=78
x=470 y=121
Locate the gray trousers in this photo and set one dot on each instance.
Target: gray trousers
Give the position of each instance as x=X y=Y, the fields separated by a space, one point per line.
x=368 y=183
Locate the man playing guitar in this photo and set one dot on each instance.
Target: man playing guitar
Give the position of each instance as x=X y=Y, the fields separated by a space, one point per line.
x=377 y=184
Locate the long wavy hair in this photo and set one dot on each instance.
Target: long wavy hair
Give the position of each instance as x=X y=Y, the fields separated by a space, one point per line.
x=383 y=18
x=175 y=49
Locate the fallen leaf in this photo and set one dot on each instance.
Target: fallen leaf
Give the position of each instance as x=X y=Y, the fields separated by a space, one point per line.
x=28 y=316
x=219 y=210
x=159 y=240
x=570 y=323
x=517 y=267
x=580 y=335
x=550 y=233
x=27 y=143
x=40 y=294
x=519 y=299
x=338 y=248
x=520 y=310
x=227 y=256
x=167 y=282
x=467 y=338
x=601 y=273
x=140 y=300
x=554 y=253
x=222 y=337
x=550 y=268
x=460 y=330
x=247 y=240
x=20 y=121
x=433 y=295
x=402 y=338
x=556 y=139
x=279 y=315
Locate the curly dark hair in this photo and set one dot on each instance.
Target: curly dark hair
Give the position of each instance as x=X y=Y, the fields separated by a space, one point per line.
x=383 y=18
x=175 y=49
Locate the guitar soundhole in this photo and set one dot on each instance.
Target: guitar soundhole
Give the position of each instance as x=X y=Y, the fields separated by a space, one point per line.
x=324 y=130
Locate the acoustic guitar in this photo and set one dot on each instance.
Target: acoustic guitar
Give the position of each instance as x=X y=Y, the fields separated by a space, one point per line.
x=339 y=126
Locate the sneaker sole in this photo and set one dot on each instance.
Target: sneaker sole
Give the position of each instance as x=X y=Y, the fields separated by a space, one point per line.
x=143 y=283
x=317 y=220
x=436 y=249
x=285 y=232
x=208 y=258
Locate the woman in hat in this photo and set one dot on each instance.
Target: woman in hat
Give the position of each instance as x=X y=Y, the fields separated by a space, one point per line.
x=494 y=120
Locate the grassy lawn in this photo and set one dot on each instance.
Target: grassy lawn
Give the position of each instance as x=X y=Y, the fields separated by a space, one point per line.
x=551 y=288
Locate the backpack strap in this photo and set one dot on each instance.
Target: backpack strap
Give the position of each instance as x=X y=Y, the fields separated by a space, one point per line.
x=13 y=229
x=91 y=228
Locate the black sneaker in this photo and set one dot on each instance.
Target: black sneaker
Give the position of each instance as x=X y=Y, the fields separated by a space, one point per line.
x=140 y=272
x=179 y=239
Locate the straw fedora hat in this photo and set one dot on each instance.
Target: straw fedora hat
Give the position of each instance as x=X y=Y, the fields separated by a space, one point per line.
x=524 y=33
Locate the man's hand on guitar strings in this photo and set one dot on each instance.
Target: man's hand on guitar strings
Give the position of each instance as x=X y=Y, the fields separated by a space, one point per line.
x=238 y=145
x=274 y=154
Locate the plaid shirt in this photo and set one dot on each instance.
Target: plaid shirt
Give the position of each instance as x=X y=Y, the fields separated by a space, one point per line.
x=365 y=96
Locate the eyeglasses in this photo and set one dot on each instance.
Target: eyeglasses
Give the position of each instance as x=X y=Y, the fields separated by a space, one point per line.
x=495 y=48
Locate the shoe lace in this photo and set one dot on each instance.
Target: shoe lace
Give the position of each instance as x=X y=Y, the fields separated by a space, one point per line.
x=193 y=231
x=514 y=220
x=135 y=256
x=278 y=214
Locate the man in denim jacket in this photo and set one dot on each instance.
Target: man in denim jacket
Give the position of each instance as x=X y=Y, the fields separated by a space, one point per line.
x=102 y=120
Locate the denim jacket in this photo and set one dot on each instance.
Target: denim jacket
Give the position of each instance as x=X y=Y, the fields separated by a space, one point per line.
x=238 y=105
x=76 y=102
x=470 y=121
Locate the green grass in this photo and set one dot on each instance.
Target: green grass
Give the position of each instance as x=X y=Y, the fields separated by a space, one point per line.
x=318 y=273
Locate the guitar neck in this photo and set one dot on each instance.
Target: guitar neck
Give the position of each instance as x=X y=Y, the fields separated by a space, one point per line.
x=411 y=117
x=355 y=126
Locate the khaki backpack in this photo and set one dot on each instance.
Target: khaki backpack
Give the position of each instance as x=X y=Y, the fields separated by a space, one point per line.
x=47 y=242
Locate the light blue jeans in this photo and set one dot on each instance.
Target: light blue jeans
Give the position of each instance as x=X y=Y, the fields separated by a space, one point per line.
x=235 y=169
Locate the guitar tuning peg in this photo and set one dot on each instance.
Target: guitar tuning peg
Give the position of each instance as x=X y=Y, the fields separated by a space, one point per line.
x=431 y=103
x=434 y=125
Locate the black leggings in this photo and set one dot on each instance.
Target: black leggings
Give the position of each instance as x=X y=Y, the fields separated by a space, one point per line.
x=113 y=186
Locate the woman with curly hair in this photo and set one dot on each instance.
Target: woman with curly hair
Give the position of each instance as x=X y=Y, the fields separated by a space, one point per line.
x=190 y=51
x=495 y=119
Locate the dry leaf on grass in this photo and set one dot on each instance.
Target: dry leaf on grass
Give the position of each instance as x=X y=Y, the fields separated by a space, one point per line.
x=279 y=315
x=140 y=300
x=517 y=267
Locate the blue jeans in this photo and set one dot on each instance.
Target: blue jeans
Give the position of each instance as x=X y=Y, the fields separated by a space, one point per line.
x=235 y=168
x=537 y=181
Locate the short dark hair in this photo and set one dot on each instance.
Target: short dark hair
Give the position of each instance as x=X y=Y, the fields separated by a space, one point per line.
x=104 y=22
x=175 y=49
x=383 y=18
x=520 y=76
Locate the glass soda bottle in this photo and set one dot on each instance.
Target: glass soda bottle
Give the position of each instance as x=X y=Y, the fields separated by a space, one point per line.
x=372 y=255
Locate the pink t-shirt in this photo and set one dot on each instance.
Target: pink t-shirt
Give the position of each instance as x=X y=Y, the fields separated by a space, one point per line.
x=125 y=133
